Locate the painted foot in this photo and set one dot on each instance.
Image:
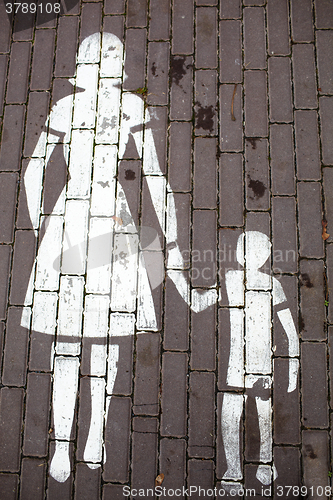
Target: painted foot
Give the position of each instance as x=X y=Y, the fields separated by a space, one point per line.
x=60 y=468
x=233 y=474
x=266 y=474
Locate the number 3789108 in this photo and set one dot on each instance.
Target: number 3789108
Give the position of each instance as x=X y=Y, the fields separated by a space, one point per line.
x=27 y=8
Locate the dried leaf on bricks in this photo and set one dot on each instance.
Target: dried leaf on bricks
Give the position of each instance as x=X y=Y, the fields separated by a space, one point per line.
x=159 y=480
x=325 y=235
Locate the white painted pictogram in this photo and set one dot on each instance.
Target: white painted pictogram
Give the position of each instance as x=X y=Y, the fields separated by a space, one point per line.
x=251 y=294
x=89 y=262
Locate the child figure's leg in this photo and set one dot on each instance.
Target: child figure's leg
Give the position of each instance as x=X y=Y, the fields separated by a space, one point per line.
x=265 y=474
x=232 y=409
x=66 y=372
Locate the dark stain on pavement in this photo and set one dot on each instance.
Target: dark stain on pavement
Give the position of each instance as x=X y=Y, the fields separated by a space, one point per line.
x=309 y=451
x=204 y=117
x=178 y=68
x=305 y=280
x=153 y=69
x=253 y=141
x=301 y=323
x=257 y=187
x=129 y=175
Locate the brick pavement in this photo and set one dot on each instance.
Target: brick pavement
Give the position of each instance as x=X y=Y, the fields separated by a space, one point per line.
x=236 y=99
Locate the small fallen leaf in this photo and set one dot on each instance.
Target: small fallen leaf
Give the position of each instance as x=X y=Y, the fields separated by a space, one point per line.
x=50 y=430
x=324 y=235
x=117 y=219
x=159 y=480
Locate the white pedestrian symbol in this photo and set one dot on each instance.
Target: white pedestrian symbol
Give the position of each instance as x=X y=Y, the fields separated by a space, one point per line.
x=89 y=260
x=251 y=294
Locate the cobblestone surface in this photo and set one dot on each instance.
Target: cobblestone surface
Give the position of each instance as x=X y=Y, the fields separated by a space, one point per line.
x=228 y=108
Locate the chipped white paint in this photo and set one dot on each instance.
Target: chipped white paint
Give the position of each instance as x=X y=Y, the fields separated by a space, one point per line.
x=104 y=183
x=33 y=184
x=107 y=128
x=253 y=250
x=91 y=249
x=80 y=164
x=47 y=277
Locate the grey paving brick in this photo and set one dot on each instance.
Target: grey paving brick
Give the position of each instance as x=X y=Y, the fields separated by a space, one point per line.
x=312 y=300
x=174 y=403
x=314 y=385
x=5 y=31
x=173 y=463
x=231 y=131
x=180 y=140
x=135 y=48
x=324 y=14
x=290 y=286
x=32 y=479
x=149 y=219
x=307 y=145
x=286 y=406
x=328 y=187
x=37 y=113
x=136 y=13
x=114 y=7
x=202 y=420
x=203 y=339
x=254 y=2
x=117 y=440
x=55 y=178
x=146 y=383
x=66 y=46
x=37 y=414
x=227 y=260
x=258 y=221
x=206 y=37
x=11 y=400
x=181 y=88
x=257 y=174
x=204 y=173
x=48 y=20
x=279 y=81
x=284 y=234
x=251 y=429
x=159 y=24
x=231 y=190
x=8 y=190
x=203 y=272
x=182 y=26
x=182 y=205
x=252 y=485
x=158 y=123
x=256 y=104
x=230 y=51
x=305 y=88
x=131 y=188
x=282 y=160
x=221 y=464
x=301 y=21
x=56 y=490
x=205 y=2
x=115 y=25
x=315 y=452
x=278 y=27
x=24 y=254
x=91 y=14
x=330 y=281
x=42 y=61
x=83 y=417
x=12 y=134
x=324 y=44
x=144 y=453
x=2 y=326
x=230 y=9
x=23 y=26
x=123 y=383
x=176 y=319
x=326 y=110
x=16 y=350
x=309 y=219
x=330 y=348
x=9 y=486
x=18 y=73
x=5 y=258
x=3 y=78
x=158 y=72
x=254 y=38
x=205 y=102
x=113 y=492
x=287 y=462
x=200 y=474
x=87 y=483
